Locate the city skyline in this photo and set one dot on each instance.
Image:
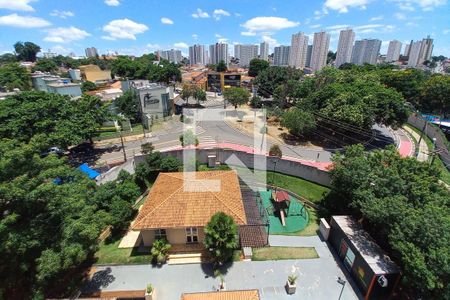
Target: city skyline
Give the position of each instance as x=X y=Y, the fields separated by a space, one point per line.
x=128 y=27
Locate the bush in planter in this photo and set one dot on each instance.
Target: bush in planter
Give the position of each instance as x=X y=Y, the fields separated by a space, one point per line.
x=159 y=250
x=149 y=288
x=292 y=279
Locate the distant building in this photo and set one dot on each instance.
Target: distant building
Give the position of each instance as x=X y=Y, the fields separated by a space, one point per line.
x=366 y=51
x=308 y=56
x=49 y=54
x=320 y=49
x=245 y=53
x=218 y=52
x=281 y=56
x=414 y=54
x=91 y=52
x=75 y=74
x=345 y=47
x=426 y=50
x=393 y=53
x=197 y=55
x=264 y=51
x=298 y=50
x=46 y=82
x=220 y=81
x=172 y=55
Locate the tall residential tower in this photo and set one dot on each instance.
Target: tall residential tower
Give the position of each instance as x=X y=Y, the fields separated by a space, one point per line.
x=197 y=55
x=393 y=53
x=264 y=51
x=345 y=47
x=298 y=50
x=320 y=48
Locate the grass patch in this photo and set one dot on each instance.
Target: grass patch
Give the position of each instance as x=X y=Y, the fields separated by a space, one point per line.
x=311 y=229
x=109 y=253
x=237 y=255
x=445 y=173
x=104 y=134
x=279 y=253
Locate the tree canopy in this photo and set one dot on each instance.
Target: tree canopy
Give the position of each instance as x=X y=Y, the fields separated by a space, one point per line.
x=88 y=86
x=221 y=66
x=14 y=76
x=26 y=51
x=221 y=237
x=236 y=96
x=270 y=78
x=404 y=207
x=45 y=65
x=434 y=95
x=257 y=66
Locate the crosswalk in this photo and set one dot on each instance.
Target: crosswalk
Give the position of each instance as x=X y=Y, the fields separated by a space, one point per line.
x=206 y=140
x=212 y=102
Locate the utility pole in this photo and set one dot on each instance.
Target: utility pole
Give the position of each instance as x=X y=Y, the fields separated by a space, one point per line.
x=422 y=132
x=123 y=146
x=343 y=282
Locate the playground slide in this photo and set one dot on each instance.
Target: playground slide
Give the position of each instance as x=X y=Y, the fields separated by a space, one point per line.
x=283 y=221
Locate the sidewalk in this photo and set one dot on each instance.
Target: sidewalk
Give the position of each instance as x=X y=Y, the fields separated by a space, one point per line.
x=422 y=147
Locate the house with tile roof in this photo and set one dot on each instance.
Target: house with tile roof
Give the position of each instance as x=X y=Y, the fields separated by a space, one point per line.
x=180 y=204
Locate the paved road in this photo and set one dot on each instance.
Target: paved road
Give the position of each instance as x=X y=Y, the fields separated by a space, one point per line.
x=316 y=277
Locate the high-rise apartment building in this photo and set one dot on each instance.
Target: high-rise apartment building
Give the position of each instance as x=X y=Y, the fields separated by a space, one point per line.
x=414 y=53
x=264 y=51
x=406 y=52
x=320 y=48
x=298 y=50
x=91 y=52
x=308 y=56
x=245 y=53
x=345 y=47
x=172 y=55
x=426 y=50
x=393 y=53
x=197 y=55
x=366 y=51
x=218 y=52
x=281 y=55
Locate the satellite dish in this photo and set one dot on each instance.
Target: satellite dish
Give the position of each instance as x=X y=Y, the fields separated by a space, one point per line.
x=383 y=281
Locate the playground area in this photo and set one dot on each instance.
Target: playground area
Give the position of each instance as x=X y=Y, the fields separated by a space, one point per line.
x=286 y=214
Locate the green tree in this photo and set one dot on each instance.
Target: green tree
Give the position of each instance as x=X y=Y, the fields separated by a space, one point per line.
x=159 y=251
x=275 y=150
x=147 y=148
x=45 y=65
x=407 y=82
x=26 y=51
x=236 y=96
x=128 y=105
x=221 y=237
x=7 y=58
x=188 y=138
x=221 y=66
x=272 y=77
x=403 y=206
x=170 y=164
x=299 y=123
x=88 y=86
x=256 y=66
x=14 y=76
x=434 y=96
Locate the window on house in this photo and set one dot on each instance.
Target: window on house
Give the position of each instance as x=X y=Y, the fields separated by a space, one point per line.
x=191 y=235
x=160 y=234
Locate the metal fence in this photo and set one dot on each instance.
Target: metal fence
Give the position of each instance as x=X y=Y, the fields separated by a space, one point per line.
x=433 y=132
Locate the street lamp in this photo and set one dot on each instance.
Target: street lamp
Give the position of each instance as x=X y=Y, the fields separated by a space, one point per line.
x=273 y=174
x=343 y=282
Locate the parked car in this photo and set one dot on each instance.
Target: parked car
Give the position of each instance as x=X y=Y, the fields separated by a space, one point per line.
x=52 y=150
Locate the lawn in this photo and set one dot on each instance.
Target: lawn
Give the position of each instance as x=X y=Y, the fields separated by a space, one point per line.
x=310 y=229
x=279 y=253
x=112 y=133
x=445 y=173
x=109 y=253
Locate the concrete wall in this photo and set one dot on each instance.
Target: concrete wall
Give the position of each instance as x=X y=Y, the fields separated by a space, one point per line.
x=282 y=166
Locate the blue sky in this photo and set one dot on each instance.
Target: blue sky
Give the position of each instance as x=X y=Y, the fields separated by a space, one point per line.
x=142 y=26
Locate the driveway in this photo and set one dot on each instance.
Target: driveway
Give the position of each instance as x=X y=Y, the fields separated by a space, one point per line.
x=316 y=277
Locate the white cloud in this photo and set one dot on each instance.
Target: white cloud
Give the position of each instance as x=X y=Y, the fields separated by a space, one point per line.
x=180 y=45
x=315 y=26
x=222 y=40
x=153 y=46
x=377 y=18
x=267 y=25
x=425 y=5
x=195 y=36
x=200 y=14
x=14 y=20
x=218 y=13
x=446 y=31
x=61 y=13
x=338 y=27
x=217 y=35
x=65 y=34
x=60 y=50
x=400 y=16
x=22 y=5
x=237 y=15
x=112 y=2
x=123 y=29
x=270 y=40
x=248 y=33
x=166 y=21
x=342 y=6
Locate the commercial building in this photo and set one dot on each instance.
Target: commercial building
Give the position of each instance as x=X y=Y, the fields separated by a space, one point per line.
x=245 y=53
x=393 y=53
x=197 y=55
x=94 y=74
x=172 y=55
x=179 y=206
x=298 y=50
x=220 y=81
x=320 y=48
x=218 y=52
x=91 y=52
x=366 y=51
x=372 y=270
x=155 y=100
x=281 y=56
x=264 y=51
x=345 y=47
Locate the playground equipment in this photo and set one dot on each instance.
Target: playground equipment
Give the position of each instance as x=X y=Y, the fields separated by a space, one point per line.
x=281 y=202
